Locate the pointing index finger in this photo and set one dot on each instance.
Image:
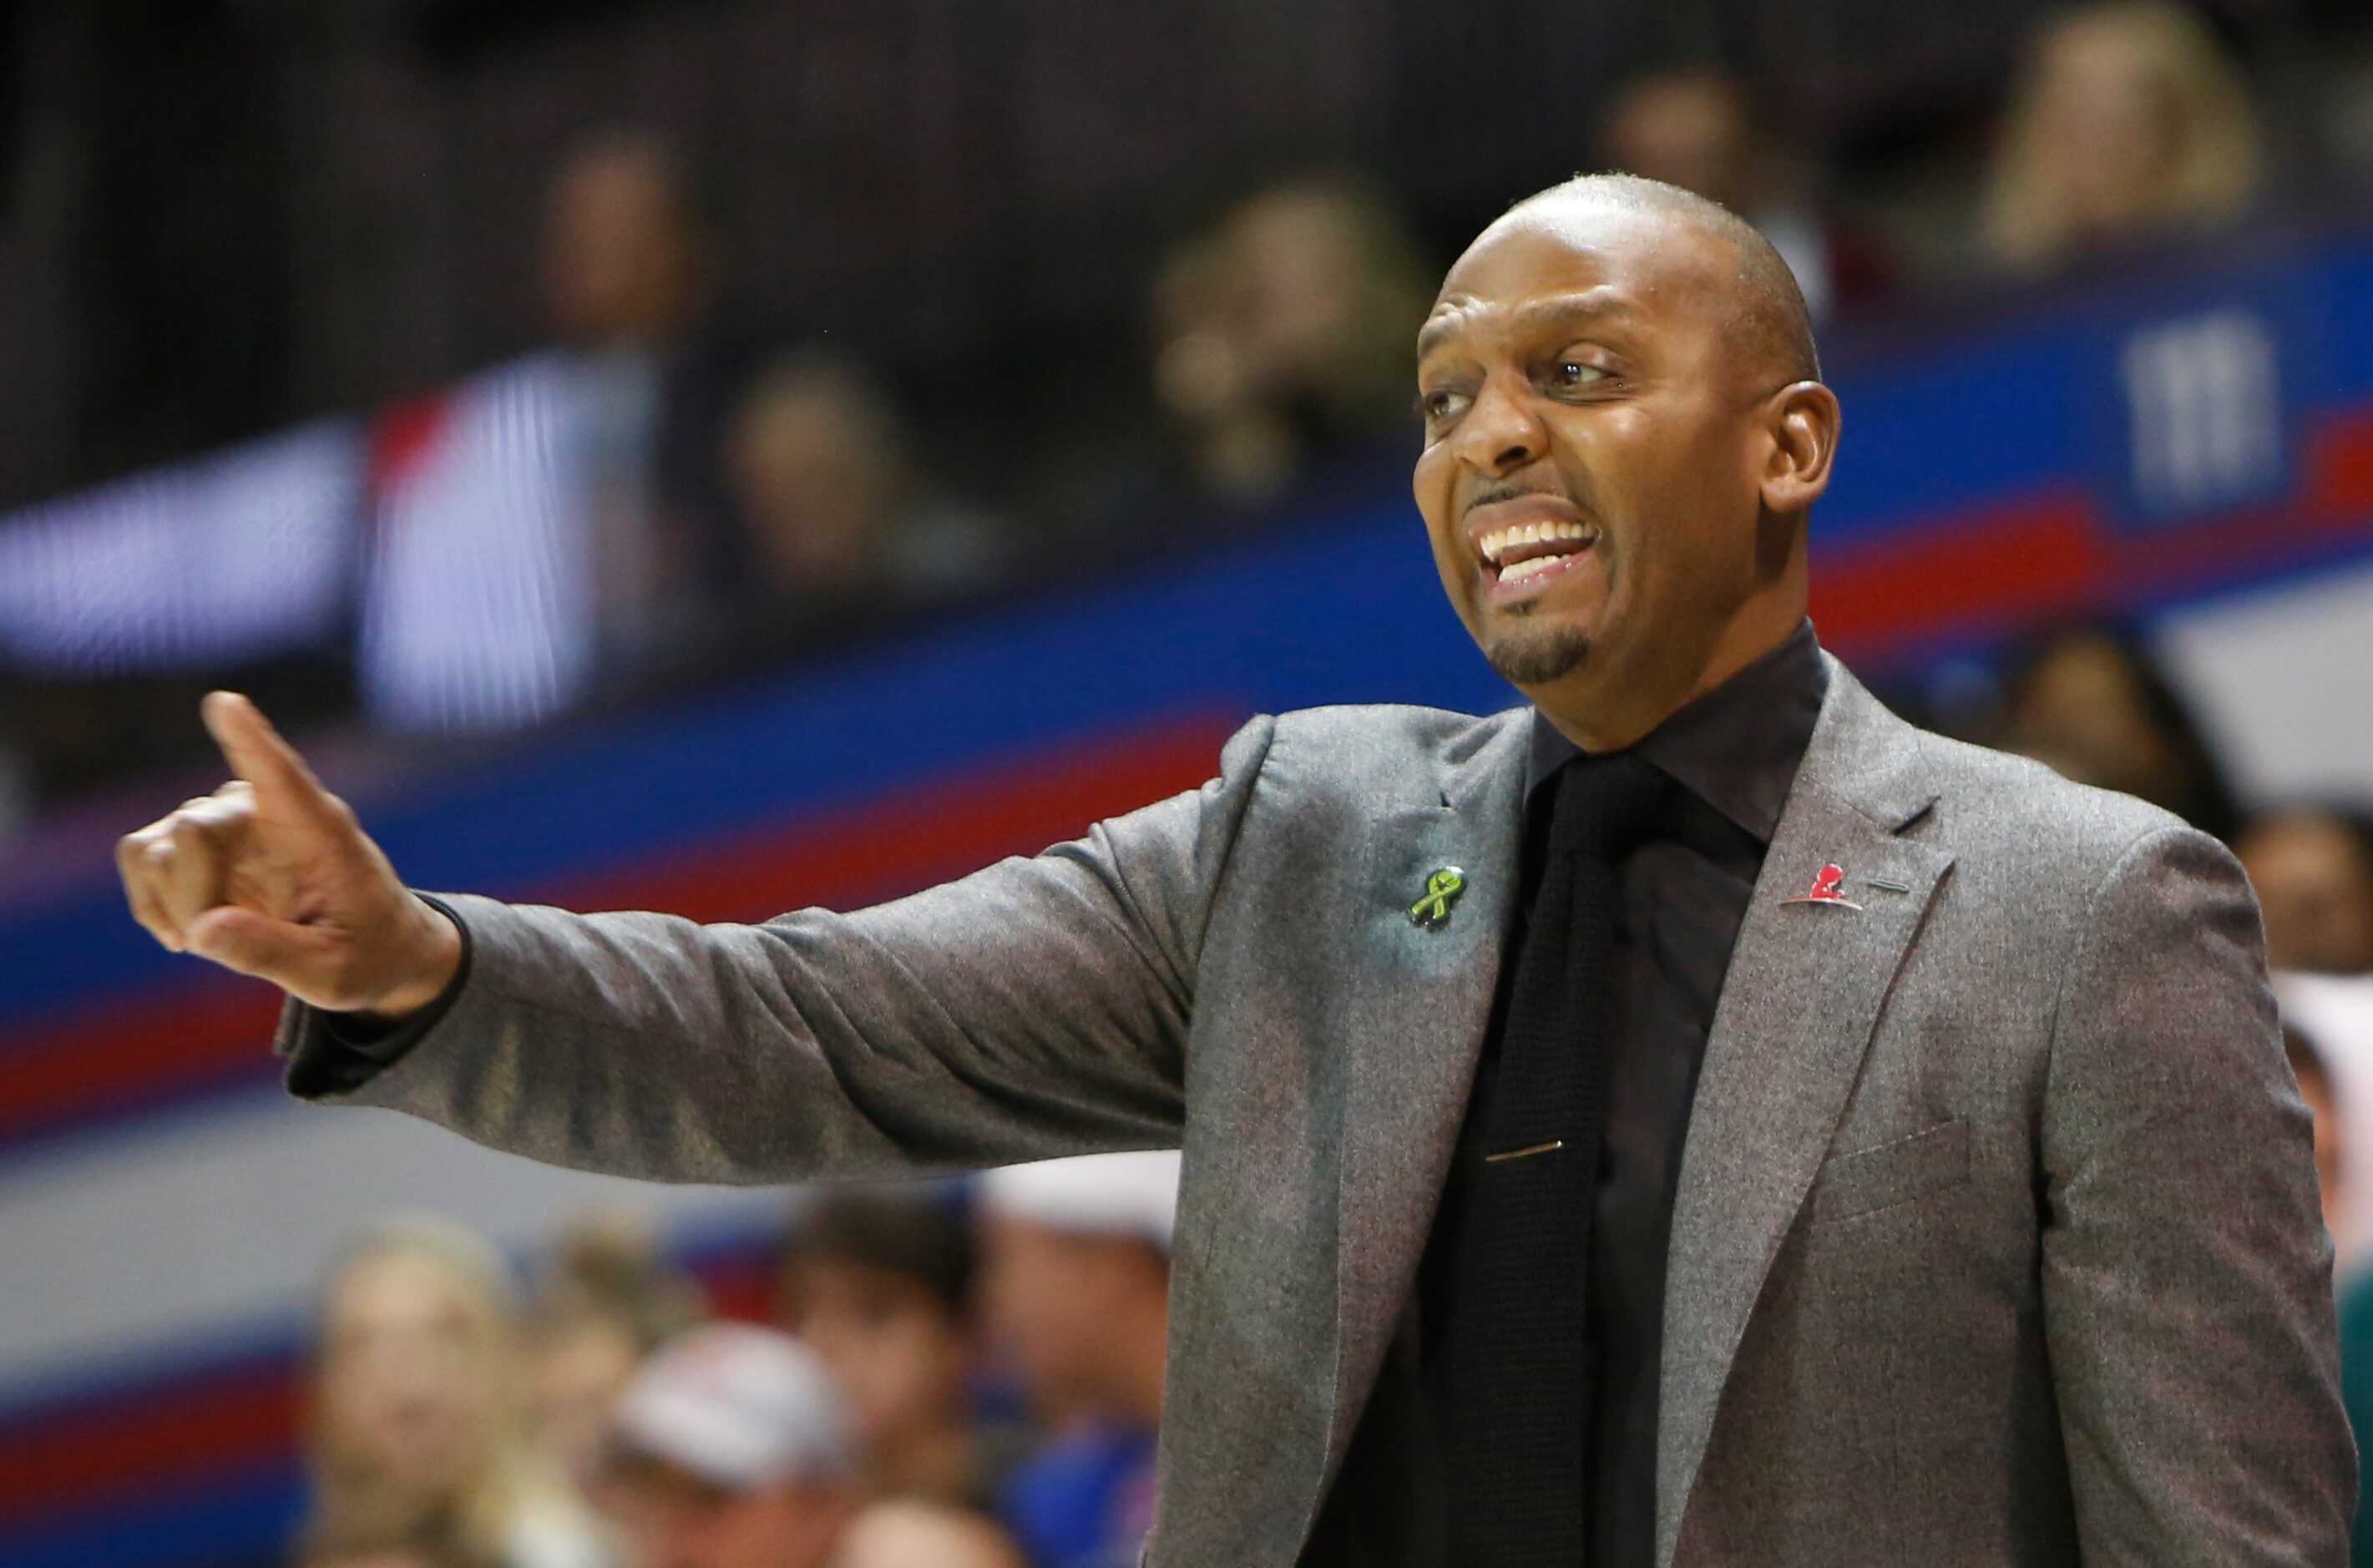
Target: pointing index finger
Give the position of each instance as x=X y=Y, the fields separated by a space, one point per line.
x=257 y=754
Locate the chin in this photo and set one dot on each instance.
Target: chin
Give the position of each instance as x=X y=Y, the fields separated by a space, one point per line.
x=1535 y=656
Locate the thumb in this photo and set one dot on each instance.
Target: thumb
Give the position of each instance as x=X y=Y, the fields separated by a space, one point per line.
x=296 y=958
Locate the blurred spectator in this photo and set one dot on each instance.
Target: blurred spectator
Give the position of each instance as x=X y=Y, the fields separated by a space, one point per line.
x=2129 y=123
x=879 y=1282
x=1700 y=129
x=2092 y=703
x=908 y=1533
x=2316 y=1089
x=1076 y=1264
x=417 y=1426
x=554 y=527
x=841 y=527
x=2357 y=1392
x=2344 y=1002
x=2313 y=869
x=1285 y=332
x=633 y=264
x=731 y=1449
x=2335 y=1014
x=630 y=257
x=607 y=1302
x=404 y=1542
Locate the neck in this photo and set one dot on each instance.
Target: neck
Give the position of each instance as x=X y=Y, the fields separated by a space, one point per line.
x=1610 y=708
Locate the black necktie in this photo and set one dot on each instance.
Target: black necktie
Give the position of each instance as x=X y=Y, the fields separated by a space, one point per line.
x=1518 y=1343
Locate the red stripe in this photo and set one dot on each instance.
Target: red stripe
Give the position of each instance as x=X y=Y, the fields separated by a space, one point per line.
x=913 y=838
x=2006 y=566
x=183 y=1432
x=403 y=435
x=2340 y=466
x=214 y=1031
x=199 y=1035
x=739 y=1285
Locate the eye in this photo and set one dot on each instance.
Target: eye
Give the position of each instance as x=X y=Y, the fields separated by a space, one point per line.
x=1444 y=403
x=1570 y=374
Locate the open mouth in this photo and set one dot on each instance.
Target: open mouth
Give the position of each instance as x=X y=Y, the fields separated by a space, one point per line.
x=1532 y=552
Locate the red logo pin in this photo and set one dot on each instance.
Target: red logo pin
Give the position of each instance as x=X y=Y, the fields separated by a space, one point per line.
x=1829 y=887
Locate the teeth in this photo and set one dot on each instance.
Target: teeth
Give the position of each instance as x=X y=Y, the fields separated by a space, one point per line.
x=1533 y=567
x=1500 y=541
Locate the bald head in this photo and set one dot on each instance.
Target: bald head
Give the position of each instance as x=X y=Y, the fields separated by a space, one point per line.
x=1768 y=307
x=1625 y=433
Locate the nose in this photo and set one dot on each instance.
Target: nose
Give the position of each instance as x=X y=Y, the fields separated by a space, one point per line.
x=1501 y=433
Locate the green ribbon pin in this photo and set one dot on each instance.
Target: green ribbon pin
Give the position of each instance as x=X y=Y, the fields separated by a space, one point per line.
x=1442 y=890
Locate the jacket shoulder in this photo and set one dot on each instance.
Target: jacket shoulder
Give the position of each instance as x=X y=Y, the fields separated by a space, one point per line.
x=1362 y=745
x=1993 y=799
x=1390 y=731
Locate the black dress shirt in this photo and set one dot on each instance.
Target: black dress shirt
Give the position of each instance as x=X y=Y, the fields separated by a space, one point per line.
x=1735 y=753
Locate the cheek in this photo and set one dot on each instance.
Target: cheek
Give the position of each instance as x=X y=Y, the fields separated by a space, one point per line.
x=1430 y=485
x=1680 y=494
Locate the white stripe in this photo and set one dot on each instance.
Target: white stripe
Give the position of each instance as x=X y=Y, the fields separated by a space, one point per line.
x=214 y=1227
x=208 y=563
x=2279 y=678
x=478 y=610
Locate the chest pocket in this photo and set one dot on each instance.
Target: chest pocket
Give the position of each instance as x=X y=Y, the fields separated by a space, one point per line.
x=1865 y=1181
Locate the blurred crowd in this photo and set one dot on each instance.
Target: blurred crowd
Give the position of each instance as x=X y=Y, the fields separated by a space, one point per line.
x=665 y=494
x=951 y=1377
x=669 y=494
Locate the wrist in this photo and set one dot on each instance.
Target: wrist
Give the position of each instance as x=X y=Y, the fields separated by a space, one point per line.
x=439 y=948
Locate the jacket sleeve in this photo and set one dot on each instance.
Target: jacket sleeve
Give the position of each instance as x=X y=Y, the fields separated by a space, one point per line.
x=2186 y=1271
x=1036 y=1008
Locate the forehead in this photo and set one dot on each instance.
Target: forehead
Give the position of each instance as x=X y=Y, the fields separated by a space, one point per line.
x=1554 y=260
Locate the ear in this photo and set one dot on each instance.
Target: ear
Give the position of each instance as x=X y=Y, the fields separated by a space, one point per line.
x=1802 y=419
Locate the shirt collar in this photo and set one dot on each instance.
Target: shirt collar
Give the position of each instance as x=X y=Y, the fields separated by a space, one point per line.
x=1737 y=748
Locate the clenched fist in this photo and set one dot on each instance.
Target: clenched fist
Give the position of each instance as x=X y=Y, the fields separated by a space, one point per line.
x=271 y=876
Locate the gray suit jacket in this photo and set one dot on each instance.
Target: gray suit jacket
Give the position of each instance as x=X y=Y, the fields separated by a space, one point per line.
x=1996 y=1241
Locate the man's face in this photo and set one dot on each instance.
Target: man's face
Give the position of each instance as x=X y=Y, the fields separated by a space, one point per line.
x=2316 y=888
x=894 y=1348
x=1052 y=1299
x=671 y=1518
x=1689 y=130
x=1592 y=449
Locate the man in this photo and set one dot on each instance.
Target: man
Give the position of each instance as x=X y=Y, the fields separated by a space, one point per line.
x=879 y=1280
x=1700 y=127
x=1076 y=1277
x=731 y=1449
x=2312 y=868
x=1976 y=1224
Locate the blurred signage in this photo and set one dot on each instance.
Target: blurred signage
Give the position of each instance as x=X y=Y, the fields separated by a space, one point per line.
x=2204 y=398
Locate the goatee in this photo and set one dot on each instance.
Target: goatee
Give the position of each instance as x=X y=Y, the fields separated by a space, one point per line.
x=1537 y=656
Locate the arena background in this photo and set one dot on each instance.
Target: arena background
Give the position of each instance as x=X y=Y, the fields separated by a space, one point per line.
x=288 y=409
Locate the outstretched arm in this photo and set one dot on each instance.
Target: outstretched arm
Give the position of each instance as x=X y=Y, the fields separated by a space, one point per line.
x=1039 y=1007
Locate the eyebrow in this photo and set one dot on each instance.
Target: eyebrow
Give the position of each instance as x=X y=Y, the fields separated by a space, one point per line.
x=1589 y=306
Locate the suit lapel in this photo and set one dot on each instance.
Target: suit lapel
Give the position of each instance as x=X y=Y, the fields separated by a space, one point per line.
x=1412 y=1031
x=1803 y=994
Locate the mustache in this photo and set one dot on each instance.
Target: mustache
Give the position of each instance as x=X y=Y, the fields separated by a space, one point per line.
x=1506 y=492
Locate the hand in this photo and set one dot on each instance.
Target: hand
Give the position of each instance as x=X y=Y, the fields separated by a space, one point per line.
x=271 y=876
